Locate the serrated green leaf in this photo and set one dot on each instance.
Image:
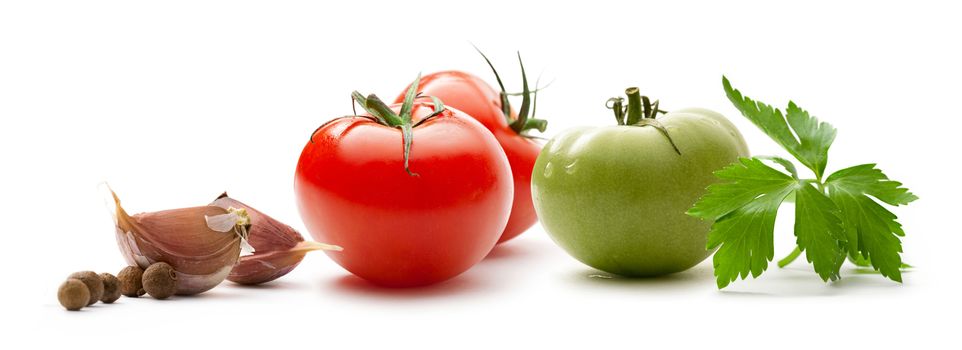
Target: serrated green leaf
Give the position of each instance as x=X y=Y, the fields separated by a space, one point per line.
x=814 y=137
x=872 y=232
x=766 y=117
x=818 y=231
x=744 y=208
x=784 y=163
x=742 y=182
x=859 y=261
x=868 y=179
x=745 y=239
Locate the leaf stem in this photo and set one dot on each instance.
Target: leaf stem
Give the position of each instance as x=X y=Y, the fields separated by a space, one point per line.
x=791 y=257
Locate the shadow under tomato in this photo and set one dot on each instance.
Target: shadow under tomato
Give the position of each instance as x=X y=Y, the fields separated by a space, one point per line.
x=488 y=276
x=700 y=275
x=506 y=251
x=353 y=285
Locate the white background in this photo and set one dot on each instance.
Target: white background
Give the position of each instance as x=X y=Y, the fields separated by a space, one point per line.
x=173 y=102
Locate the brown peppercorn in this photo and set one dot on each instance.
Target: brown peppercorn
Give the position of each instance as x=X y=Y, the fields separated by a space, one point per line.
x=73 y=294
x=131 y=281
x=160 y=280
x=111 y=288
x=95 y=285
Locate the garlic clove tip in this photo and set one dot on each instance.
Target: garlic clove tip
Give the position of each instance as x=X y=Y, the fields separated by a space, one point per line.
x=309 y=246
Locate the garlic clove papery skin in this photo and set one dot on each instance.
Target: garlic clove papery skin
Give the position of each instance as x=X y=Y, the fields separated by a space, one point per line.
x=278 y=248
x=202 y=256
x=265 y=233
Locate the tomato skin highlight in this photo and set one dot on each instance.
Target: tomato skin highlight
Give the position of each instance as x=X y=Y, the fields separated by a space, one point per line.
x=470 y=94
x=399 y=230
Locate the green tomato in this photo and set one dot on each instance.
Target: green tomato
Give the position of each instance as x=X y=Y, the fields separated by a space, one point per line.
x=615 y=197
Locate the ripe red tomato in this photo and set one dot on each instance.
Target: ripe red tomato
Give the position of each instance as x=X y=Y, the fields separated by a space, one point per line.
x=400 y=229
x=470 y=94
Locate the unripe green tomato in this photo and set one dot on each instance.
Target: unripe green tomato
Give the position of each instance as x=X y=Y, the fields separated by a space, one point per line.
x=615 y=197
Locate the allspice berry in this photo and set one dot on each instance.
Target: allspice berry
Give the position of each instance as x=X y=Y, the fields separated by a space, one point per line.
x=131 y=281
x=73 y=294
x=111 y=288
x=95 y=285
x=160 y=280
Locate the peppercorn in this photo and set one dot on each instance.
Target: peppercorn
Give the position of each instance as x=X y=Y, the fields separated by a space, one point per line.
x=111 y=288
x=160 y=280
x=131 y=281
x=73 y=294
x=95 y=285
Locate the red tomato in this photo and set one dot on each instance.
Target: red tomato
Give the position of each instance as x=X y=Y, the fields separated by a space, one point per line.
x=470 y=94
x=397 y=229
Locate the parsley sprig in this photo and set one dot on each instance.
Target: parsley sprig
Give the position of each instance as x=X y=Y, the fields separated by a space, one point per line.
x=836 y=217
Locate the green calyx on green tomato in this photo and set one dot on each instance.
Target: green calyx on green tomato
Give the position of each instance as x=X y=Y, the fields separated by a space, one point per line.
x=614 y=197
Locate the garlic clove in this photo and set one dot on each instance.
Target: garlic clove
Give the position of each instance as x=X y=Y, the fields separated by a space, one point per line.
x=278 y=248
x=195 y=241
x=266 y=266
x=265 y=232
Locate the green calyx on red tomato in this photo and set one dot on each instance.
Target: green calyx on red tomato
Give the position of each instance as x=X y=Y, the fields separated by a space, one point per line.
x=521 y=123
x=355 y=186
x=472 y=95
x=383 y=115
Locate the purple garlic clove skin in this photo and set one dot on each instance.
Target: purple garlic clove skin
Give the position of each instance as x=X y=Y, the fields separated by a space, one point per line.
x=202 y=244
x=278 y=248
x=265 y=266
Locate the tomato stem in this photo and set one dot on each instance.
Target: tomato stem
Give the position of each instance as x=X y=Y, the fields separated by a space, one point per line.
x=640 y=112
x=385 y=116
x=635 y=112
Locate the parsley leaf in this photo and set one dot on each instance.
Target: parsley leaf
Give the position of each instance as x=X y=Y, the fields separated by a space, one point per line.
x=833 y=219
x=744 y=209
x=871 y=230
x=818 y=231
x=814 y=137
x=747 y=180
